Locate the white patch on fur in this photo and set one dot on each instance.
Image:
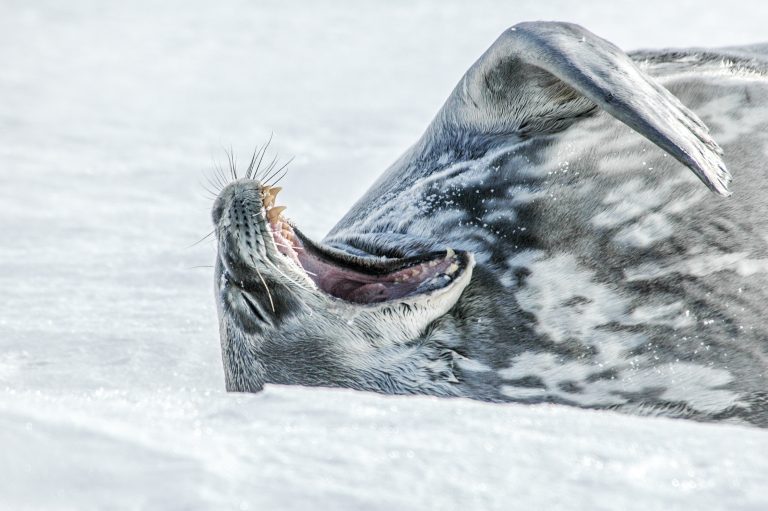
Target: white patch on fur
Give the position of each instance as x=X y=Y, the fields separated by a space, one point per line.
x=468 y=364
x=643 y=213
x=682 y=204
x=501 y=214
x=731 y=117
x=672 y=315
x=695 y=385
x=569 y=304
x=556 y=280
x=522 y=195
x=699 y=266
x=523 y=392
x=552 y=371
x=627 y=201
x=649 y=230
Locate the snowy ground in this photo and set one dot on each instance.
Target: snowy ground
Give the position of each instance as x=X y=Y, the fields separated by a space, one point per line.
x=111 y=389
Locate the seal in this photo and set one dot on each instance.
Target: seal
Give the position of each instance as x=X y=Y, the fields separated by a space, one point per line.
x=546 y=240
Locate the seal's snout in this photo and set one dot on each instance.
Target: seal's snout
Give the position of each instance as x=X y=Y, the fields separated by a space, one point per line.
x=239 y=227
x=247 y=207
x=232 y=199
x=250 y=227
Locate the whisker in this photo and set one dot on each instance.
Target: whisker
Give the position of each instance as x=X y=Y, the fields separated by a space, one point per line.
x=273 y=174
x=214 y=194
x=263 y=152
x=211 y=174
x=220 y=177
x=203 y=266
x=287 y=277
x=270 y=166
x=201 y=239
x=272 y=303
x=212 y=182
x=214 y=185
x=292 y=291
x=220 y=168
x=249 y=169
x=274 y=232
x=279 y=178
x=232 y=166
x=258 y=154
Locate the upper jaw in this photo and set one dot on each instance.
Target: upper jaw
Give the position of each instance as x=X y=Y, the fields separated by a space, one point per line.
x=254 y=238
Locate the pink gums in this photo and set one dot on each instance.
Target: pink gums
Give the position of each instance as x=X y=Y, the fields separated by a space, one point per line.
x=351 y=285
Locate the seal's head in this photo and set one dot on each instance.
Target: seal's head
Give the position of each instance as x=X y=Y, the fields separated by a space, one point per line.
x=292 y=311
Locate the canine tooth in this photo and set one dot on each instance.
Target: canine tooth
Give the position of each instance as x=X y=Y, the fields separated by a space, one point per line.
x=274 y=213
x=270 y=194
x=266 y=197
x=449 y=253
x=452 y=268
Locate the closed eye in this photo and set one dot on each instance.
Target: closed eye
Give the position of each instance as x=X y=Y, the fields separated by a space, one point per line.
x=254 y=308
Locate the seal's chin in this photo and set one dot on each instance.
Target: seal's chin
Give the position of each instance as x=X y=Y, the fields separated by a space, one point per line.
x=363 y=280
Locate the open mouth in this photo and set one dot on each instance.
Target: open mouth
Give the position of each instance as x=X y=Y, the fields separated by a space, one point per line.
x=360 y=279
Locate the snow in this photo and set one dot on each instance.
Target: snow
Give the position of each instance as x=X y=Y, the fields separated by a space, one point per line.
x=111 y=388
x=294 y=448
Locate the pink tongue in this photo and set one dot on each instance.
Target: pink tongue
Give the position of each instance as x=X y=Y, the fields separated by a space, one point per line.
x=369 y=293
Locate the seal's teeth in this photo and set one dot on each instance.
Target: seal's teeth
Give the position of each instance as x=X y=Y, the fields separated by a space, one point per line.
x=452 y=269
x=450 y=253
x=269 y=194
x=274 y=213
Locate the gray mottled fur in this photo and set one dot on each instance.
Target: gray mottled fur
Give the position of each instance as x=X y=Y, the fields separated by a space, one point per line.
x=606 y=276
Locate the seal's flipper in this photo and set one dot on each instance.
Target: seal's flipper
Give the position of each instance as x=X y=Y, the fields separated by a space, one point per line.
x=540 y=77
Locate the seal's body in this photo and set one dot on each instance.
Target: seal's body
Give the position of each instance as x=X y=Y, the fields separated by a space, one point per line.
x=545 y=241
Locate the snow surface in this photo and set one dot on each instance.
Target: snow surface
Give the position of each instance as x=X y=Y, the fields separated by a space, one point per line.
x=111 y=388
